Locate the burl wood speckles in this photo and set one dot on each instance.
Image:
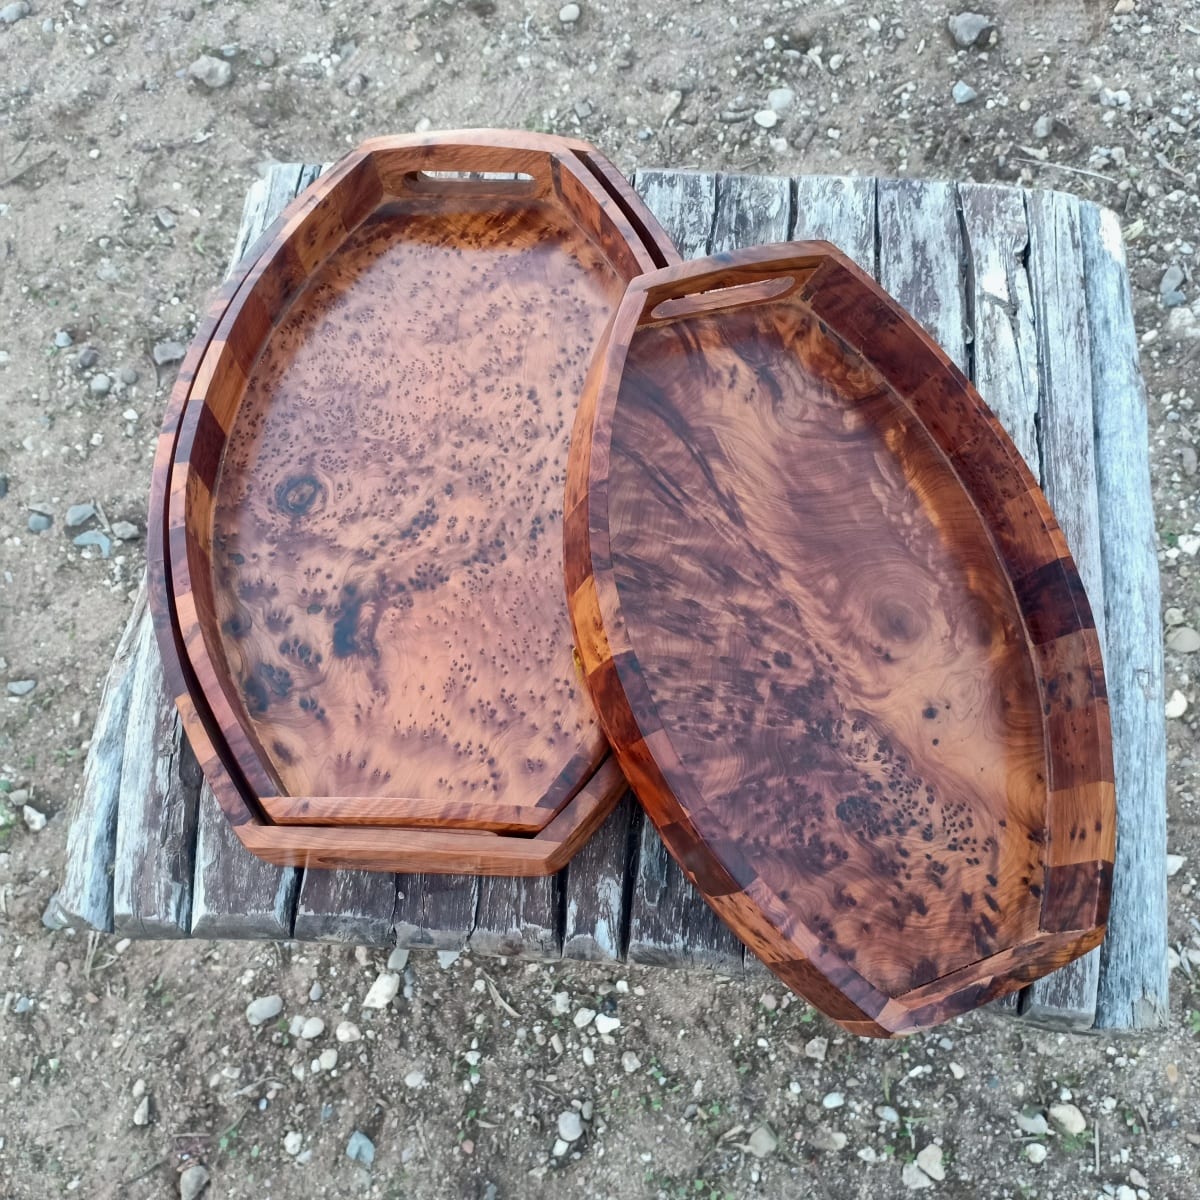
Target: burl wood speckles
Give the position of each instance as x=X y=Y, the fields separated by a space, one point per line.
x=364 y=517
x=837 y=641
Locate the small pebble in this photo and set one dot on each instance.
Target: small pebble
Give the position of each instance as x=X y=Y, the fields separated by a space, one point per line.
x=328 y=1059
x=886 y=1113
x=1175 y=864
x=88 y=357
x=100 y=384
x=79 y=514
x=560 y=1147
x=766 y=118
x=447 y=958
x=914 y=1178
x=815 y=1048
x=1043 y=127
x=1123 y=7
x=1172 y=280
x=569 y=14
x=20 y=687
x=414 y=1080
x=355 y=84
x=313 y=1027
x=125 y=531
x=93 y=537
x=1183 y=639
x=397 y=960
x=1176 y=705
x=39 y=522
x=128 y=376
x=316 y=991
x=963 y=93
x=969 y=28
x=293 y=1140
x=347 y=1031
x=570 y=1125
x=1030 y=1121
x=833 y=1100
x=62 y=339
x=763 y=1142
x=607 y=1024
x=212 y=72
x=360 y=1148
x=584 y=1017
x=383 y=991
x=780 y=99
x=930 y=1161
x=1036 y=1153
x=167 y=352
x=141 y=1114
x=264 y=1008
x=35 y=820
x=192 y=1182
x=10 y=14
x=1068 y=1118
x=957 y=1071
x=630 y=1062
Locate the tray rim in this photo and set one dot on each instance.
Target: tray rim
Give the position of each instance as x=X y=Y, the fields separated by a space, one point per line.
x=276 y=833
x=645 y=753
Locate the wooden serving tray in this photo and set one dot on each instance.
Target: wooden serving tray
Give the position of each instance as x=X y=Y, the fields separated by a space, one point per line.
x=837 y=640
x=357 y=575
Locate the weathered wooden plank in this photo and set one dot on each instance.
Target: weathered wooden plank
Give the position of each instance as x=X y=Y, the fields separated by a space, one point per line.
x=156 y=818
x=517 y=918
x=837 y=209
x=234 y=894
x=669 y=924
x=435 y=912
x=751 y=210
x=684 y=203
x=86 y=893
x=1003 y=354
x=1066 y=999
x=266 y=198
x=597 y=884
x=1132 y=991
x=345 y=906
x=920 y=258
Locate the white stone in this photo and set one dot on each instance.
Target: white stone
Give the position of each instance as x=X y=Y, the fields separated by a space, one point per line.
x=397 y=960
x=957 y=1071
x=767 y=118
x=292 y=1141
x=815 y=1048
x=414 y=1080
x=1068 y=1118
x=560 y=1147
x=780 y=99
x=264 y=1008
x=969 y=28
x=1177 y=705
x=569 y=14
x=607 y=1024
x=383 y=991
x=1123 y=7
x=630 y=1062
x=1175 y=864
x=447 y=958
x=192 y=1182
x=584 y=1017
x=141 y=1114
x=212 y=72
x=328 y=1059
x=560 y=1003
x=1183 y=639
x=763 y=1142
x=347 y=1031
x=833 y=1100
x=313 y=1027
x=570 y=1125
x=930 y=1161
x=33 y=818
x=1033 y=1123
x=914 y=1178
x=963 y=93
x=1036 y=1153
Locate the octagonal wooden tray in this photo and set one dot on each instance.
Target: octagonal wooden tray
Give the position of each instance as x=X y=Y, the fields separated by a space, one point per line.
x=356 y=576
x=837 y=640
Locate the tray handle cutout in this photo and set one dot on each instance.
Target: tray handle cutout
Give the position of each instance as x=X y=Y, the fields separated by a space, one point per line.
x=471 y=183
x=738 y=281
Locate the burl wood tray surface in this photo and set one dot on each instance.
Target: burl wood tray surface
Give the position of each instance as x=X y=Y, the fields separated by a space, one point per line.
x=837 y=640
x=357 y=573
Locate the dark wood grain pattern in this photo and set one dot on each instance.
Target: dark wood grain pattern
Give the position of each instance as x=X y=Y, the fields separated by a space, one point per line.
x=837 y=640
x=360 y=586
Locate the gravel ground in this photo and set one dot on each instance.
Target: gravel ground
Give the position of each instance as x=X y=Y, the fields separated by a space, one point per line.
x=128 y=135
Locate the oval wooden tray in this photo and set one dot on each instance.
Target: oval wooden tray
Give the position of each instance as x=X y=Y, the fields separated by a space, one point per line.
x=359 y=599
x=837 y=640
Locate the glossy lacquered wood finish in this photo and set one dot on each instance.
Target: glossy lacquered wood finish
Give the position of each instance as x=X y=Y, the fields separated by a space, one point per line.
x=837 y=640
x=361 y=588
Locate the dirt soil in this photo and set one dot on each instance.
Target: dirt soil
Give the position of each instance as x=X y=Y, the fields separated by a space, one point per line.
x=121 y=184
